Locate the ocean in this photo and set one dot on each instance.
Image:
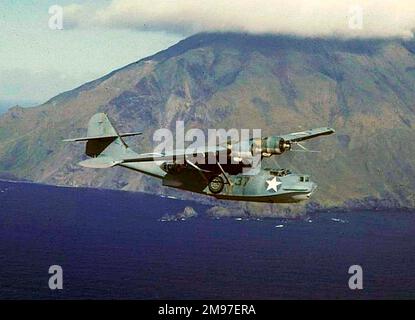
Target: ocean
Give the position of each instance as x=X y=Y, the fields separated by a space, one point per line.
x=112 y=245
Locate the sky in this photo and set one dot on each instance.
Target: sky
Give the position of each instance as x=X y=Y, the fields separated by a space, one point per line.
x=37 y=61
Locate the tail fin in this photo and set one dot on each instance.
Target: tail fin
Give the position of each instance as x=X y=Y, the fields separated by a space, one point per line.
x=100 y=126
x=102 y=138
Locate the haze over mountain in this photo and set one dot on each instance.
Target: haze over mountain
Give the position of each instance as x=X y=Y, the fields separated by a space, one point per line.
x=362 y=88
x=6 y=104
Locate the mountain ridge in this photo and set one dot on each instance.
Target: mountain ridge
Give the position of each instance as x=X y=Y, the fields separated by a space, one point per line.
x=363 y=88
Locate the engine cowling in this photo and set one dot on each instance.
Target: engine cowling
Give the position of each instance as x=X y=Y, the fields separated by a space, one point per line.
x=245 y=151
x=272 y=145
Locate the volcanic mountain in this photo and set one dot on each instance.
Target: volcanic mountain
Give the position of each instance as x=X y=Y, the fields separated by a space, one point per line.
x=365 y=89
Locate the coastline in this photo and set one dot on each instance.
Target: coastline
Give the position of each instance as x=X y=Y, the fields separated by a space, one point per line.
x=221 y=209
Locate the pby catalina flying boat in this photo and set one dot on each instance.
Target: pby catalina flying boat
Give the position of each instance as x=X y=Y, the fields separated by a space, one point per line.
x=222 y=180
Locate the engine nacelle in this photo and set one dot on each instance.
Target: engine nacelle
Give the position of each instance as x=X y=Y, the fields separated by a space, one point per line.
x=272 y=145
x=245 y=151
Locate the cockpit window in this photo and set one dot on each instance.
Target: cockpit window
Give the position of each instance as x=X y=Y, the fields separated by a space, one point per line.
x=304 y=179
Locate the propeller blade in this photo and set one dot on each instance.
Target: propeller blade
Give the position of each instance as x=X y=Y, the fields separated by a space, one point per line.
x=304 y=148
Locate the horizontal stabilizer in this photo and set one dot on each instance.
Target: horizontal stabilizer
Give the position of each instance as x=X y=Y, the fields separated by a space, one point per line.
x=99 y=163
x=129 y=134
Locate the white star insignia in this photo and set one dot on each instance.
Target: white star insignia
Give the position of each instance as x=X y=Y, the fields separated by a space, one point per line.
x=273 y=184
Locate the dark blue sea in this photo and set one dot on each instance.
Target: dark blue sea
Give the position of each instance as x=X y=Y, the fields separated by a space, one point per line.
x=111 y=245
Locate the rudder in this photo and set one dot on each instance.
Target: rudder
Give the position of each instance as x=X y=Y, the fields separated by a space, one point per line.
x=102 y=138
x=99 y=126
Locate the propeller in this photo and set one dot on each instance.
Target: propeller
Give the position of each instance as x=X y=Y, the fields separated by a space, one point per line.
x=304 y=149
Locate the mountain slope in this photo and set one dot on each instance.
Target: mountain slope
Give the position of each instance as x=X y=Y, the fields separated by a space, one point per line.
x=364 y=89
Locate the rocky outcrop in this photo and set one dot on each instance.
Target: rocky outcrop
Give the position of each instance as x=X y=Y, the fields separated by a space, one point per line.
x=186 y=214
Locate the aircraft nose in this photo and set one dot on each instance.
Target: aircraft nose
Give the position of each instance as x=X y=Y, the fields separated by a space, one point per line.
x=313 y=187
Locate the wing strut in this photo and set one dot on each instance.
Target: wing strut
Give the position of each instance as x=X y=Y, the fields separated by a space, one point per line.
x=224 y=173
x=198 y=169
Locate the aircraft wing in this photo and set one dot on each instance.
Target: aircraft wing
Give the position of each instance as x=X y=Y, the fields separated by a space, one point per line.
x=307 y=134
x=178 y=153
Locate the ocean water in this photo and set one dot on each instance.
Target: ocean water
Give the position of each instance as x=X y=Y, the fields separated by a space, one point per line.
x=111 y=245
